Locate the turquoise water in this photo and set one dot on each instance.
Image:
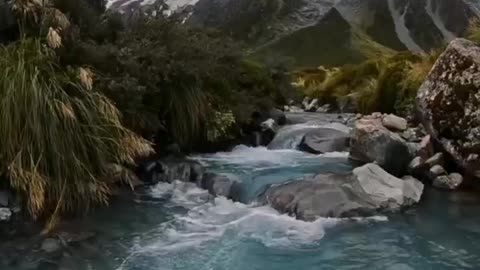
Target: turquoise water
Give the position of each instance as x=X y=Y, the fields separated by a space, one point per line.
x=178 y=226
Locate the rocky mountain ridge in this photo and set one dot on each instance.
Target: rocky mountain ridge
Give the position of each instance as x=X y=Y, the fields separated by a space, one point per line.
x=398 y=24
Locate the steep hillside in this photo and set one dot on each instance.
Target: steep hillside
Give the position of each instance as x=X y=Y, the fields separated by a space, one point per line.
x=300 y=28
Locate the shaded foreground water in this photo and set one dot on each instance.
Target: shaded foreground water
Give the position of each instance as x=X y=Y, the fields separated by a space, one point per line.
x=178 y=226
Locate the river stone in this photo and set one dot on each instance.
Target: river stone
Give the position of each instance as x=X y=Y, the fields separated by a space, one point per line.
x=324 y=140
x=5 y=214
x=394 y=122
x=436 y=159
x=171 y=169
x=449 y=103
x=449 y=182
x=51 y=245
x=372 y=142
x=367 y=191
x=436 y=171
x=220 y=185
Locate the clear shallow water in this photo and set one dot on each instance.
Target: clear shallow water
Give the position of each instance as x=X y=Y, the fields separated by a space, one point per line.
x=178 y=226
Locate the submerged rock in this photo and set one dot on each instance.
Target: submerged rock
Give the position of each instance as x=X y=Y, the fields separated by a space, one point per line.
x=220 y=185
x=436 y=171
x=436 y=159
x=367 y=191
x=372 y=142
x=449 y=182
x=51 y=245
x=449 y=103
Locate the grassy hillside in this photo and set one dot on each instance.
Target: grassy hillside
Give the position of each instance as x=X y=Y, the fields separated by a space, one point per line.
x=331 y=42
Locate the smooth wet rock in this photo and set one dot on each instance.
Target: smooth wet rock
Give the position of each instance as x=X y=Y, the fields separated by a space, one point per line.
x=312 y=106
x=436 y=171
x=51 y=245
x=306 y=102
x=326 y=139
x=5 y=214
x=75 y=237
x=293 y=109
x=448 y=182
x=394 y=122
x=372 y=142
x=278 y=116
x=415 y=134
x=220 y=185
x=326 y=108
x=426 y=148
x=367 y=191
x=415 y=165
x=171 y=169
x=437 y=159
x=449 y=103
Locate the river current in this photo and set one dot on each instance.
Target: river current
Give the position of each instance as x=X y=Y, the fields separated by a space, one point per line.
x=179 y=226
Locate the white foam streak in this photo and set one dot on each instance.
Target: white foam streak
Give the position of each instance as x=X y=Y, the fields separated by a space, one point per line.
x=208 y=220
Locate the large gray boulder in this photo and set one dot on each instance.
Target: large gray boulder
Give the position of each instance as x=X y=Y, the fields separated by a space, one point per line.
x=373 y=142
x=367 y=191
x=449 y=103
x=329 y=138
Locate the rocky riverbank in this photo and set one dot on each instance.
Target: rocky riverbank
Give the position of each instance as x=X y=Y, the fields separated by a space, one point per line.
x=395 y=159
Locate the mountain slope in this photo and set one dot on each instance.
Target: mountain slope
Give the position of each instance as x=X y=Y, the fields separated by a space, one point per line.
x=287 y=25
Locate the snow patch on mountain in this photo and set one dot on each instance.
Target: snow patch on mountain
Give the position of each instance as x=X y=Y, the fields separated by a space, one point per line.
x=435 y=16
x=401 y=29
x=173 y=5
x=356 y=12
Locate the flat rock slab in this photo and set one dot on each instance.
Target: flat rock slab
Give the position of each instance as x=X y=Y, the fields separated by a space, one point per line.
x=369 y=190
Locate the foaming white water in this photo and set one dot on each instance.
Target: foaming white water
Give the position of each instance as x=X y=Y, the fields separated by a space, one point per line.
x=208 y=220
x=243 y=155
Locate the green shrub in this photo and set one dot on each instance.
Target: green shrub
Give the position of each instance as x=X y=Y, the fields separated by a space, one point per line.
x=169 y=76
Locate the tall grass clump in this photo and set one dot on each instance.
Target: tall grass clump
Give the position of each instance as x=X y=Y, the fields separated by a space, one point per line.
x=473 y=30
x=386 y=83
x=60 y=140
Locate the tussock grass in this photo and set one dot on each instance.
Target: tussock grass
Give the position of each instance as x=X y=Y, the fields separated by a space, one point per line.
x=59 y=139
x=386 y=83
x=473 y=30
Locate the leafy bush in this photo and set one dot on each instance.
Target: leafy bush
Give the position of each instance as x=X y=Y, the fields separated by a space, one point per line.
x=165 y=75
x=60 y=140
